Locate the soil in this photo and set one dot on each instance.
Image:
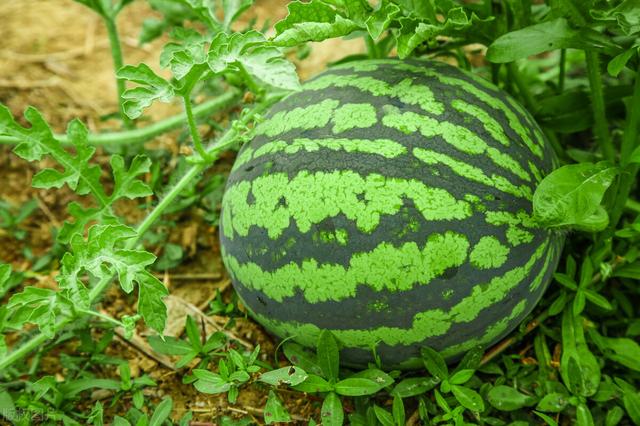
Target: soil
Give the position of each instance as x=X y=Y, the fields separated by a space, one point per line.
x=55 y=56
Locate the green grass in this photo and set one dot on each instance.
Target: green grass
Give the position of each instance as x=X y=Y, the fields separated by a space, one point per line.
x=574 y=64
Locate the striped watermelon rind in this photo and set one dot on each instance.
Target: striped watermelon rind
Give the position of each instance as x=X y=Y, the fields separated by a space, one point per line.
x=390 y=202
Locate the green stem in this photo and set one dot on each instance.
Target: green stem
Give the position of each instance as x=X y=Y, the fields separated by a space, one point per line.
x=601 y=130
x=227 y=140
x=629 y=171
x=563 y=66
x=149 y=132
x=372 y=48
x=100 y=315
x=495 y=74
x=630 y=136
x=116 y=54
x=193 y=128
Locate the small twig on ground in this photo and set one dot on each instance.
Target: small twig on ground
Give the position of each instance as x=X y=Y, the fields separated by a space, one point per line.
x=47 y=212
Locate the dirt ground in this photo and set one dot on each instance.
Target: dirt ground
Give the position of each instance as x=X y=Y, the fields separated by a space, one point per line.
x=54 y=55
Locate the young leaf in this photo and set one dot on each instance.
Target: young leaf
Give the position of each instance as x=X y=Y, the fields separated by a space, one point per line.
x=287 y=375
x=161 y=412
x=254 y=58
x=356 y=386
x=35 y=305
x=506 y=398
x=301 y=357
x=313 y=21
x=380 y=19
x=618 y=63
x=328 y=355
x=435 y=363
x=169 y=345
x=414 y=386
x=571 y=196
x=185 y=53
x=532 y=40
x=383 y=416
x=208 y=382
x=314 y=384
x=233 y=9
x=468 y=398
x=578 y=366
x=414 y=32
x=398 y=411
x=152 y=87
x=331 y=412
x=150 y=304
x=274 y=411
x=204 y=12
x=554 y=402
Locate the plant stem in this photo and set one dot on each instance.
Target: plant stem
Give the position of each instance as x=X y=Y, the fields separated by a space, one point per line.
x=372 y=48
x=495 y=74
x=629 y=171
x=102 y=316
x=193 y=128
x=601 y=129
x=116 y=54
x=227 y=140
x=149 y=132
x=563 y=66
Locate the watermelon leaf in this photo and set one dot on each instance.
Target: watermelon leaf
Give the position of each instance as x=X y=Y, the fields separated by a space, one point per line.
x=313 y=21
x=571 y=197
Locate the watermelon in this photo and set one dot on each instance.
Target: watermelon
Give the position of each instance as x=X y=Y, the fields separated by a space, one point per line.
x=390 y=202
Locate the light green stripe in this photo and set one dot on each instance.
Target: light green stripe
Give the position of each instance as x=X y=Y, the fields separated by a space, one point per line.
x=378 y=269
x=427 y=324
x=536 y=172
x=489 y=253
x=383 y=147
x=344 y=117
x=306 y=118
x=405 y=91
x=309 y=198
x=515 y=222
x=489 y=99
x=473 y=173
x=494 y=331
x=490 y=124
x=459 y=137
x=545 y=268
